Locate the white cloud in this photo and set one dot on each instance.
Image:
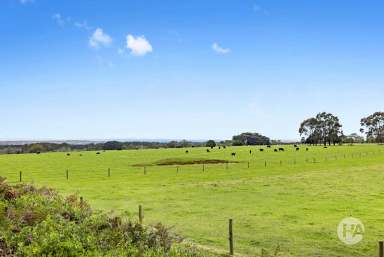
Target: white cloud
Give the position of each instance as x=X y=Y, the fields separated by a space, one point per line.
x=60 y=19
x=138 y=45
x=66 y=20
x=220 y=50
x=99 y=38
x=82 y=25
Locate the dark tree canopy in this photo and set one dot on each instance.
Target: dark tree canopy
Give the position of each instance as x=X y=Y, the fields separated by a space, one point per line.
x=249 y=138
x=210 y=143
x=324 y=128
x=373 y=126
x=112 y=145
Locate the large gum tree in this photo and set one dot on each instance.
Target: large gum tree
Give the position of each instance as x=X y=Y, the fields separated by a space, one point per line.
x=373 y=127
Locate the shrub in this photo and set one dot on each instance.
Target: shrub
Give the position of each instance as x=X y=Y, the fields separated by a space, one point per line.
x=39 y=222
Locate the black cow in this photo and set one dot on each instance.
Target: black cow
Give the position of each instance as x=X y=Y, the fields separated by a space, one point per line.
x=325 y=147
x=250 y=151
x=98 y=153
x=268 y=146
x=275 y=150
x=186 y=151
x=281 y=149
x=261 y=150
x=295 y=145
x=208 y=151
x=219 y=147
x=68 y=154
x=306 y=149
x=224 y=146
x=233 y=154
x=297 y=148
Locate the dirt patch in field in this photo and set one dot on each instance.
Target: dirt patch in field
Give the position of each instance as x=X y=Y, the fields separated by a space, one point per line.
x=166 y=162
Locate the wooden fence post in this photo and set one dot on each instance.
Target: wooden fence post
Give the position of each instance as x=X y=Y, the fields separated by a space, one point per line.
x=248 y=164
x=66 y=173
x=109 y=172
x=141 y=214
x=230 y=230
x=145 y=170
x=265 y=163
x=381 y=248
x=20 y=176
x=177 y=169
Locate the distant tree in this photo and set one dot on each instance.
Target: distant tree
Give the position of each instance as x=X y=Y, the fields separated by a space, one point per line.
x=353 y=138
x=35 y=148
x=184 y=143
x=112 y=145
x=373 y=126
x=330 y=128
x=172 y=144
x=309 y=128
x=249 y=138
x=210 y=143
x=276 y=142
x=324 y=128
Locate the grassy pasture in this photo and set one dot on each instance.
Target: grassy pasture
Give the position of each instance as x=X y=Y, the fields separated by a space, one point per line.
x=292 y=200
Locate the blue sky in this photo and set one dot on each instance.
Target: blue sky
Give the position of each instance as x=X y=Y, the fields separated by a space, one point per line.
x=186 y=69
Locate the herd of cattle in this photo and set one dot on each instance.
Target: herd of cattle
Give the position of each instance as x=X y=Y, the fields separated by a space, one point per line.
x=280 y=149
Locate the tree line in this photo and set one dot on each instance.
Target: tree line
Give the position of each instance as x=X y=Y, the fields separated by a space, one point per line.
x=326 y=128
x=109 y=145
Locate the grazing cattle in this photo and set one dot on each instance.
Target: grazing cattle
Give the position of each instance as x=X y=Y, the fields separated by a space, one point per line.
x=294 y=145
x=98 y=153
x=250 y=151
x=261 y=150
x=268 y=146
x=37 y=152
x=275 y=150
x=297 y=148
x=325 y=147
x=208 y=151
x=224 y=146
x=186 y=151
x=211 y=147
x=80 y=154
x=233 y=154
x=219 y=147
x=281 y=149
x=306 y=149
x=68 y=154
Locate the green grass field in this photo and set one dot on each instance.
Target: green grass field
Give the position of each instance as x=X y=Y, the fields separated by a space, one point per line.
x=294 y=203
